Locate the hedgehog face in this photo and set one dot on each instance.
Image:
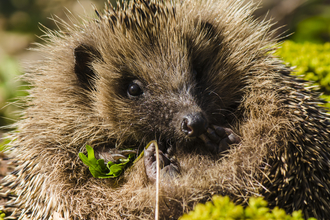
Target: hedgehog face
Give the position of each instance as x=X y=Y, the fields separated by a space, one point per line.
x=140 y=101
x=155 y=82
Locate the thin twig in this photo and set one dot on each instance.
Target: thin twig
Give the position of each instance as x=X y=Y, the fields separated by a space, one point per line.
x=157 y=183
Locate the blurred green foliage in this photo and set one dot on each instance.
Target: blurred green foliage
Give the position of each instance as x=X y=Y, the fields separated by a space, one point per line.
x=312 y=63
x=314 y=28
x=10 y=89
x=24 y=15
x=221 y=208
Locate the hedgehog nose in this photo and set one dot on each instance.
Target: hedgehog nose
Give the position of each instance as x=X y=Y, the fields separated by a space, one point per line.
x=194 y=124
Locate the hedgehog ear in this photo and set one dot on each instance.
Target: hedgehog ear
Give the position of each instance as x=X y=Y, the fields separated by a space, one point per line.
x=84 y=56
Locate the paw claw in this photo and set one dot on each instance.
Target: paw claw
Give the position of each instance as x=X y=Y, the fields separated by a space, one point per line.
x=111 y=154
x=127 y=152
x=118 y=156
x=233 y=139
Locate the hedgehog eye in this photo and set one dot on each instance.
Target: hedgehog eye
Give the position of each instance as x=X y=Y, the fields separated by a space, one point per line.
x=134 y=89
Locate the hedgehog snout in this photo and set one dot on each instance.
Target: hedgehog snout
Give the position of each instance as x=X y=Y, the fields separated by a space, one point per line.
x=194 y=124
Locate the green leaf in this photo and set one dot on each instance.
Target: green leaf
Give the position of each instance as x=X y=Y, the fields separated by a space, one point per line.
x=100 y=170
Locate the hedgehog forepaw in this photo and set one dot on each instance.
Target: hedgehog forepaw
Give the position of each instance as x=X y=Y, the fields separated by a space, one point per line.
x=169 y=167
x=218 y=139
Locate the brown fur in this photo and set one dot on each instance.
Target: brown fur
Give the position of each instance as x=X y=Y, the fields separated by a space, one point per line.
x=284 y=149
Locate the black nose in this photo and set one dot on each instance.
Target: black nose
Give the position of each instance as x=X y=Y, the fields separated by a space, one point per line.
x=194 y=124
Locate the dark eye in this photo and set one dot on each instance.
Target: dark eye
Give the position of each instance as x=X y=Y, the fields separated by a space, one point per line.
x=134 y=89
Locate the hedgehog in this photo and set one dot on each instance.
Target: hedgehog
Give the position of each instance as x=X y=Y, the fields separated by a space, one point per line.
x=198 y=77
